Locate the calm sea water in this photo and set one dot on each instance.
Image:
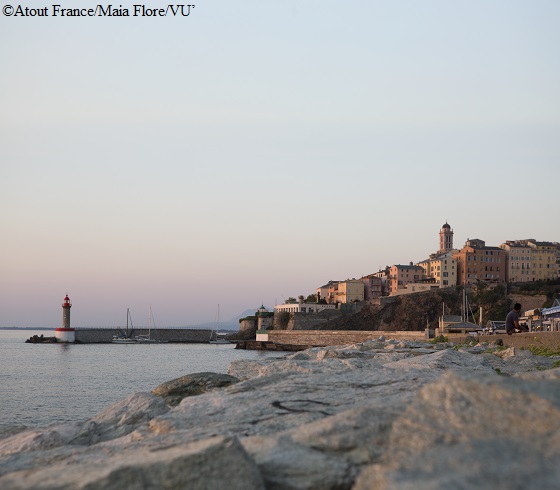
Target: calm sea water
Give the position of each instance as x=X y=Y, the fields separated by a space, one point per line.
x=45 y=383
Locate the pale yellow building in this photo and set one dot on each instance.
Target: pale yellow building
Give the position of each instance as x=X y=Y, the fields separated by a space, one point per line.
x=531 y=260
x=401 y=275
x=349 y=291
x=543 y=258
x=518 y=260
x=442 y=268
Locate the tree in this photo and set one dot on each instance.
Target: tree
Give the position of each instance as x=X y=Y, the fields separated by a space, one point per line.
x=312 y=298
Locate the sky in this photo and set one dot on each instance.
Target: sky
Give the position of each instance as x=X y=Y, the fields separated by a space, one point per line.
x=255 y=150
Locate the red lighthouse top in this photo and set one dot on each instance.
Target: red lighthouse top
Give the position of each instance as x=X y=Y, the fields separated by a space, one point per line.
x=67 y=303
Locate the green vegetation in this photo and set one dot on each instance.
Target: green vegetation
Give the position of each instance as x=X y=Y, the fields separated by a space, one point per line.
x=494 y=301
x=556 y=364
x=252 y=317
x=550 y=288
x=543 y=350
x=498 y=370
x=439 y=339
x=312 y=298
x=284 y=319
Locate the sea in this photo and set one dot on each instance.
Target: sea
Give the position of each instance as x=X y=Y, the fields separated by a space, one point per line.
x=42 y=384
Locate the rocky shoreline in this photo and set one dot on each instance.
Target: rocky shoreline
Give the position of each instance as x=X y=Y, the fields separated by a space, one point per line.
x=382 y=414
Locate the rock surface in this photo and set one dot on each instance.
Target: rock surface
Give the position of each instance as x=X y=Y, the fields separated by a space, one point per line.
x=383 y=414
x=190 y=385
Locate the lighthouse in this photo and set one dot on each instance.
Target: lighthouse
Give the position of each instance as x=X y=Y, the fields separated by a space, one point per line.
x=65 y=333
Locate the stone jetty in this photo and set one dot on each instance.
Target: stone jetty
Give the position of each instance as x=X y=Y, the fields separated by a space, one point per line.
x=381 y=414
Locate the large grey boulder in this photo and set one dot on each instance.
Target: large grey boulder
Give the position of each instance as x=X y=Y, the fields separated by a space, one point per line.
x=121 y=418
x=218 y=463
x=466 y=431
x=191 y=385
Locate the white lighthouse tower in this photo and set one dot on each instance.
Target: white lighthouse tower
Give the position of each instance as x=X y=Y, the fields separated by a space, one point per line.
x=65 y=333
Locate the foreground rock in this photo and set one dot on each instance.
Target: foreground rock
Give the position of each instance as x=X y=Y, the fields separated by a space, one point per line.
x=382 y=414
x=192 y=384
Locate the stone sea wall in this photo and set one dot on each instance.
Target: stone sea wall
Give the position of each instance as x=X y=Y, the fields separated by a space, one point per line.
x=335 y=337
x=103 y=335
x=380 y=414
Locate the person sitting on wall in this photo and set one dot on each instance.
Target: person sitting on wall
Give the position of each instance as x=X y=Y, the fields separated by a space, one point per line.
x=512 y=320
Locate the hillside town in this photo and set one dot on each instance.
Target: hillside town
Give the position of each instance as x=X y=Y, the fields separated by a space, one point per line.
x=476 y=263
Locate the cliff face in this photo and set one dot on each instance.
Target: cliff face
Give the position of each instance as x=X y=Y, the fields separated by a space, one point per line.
x=421 y=310
x=412 y=312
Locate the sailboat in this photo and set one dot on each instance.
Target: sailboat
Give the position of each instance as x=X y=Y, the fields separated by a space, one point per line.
x=125 y=337
x=147 y=339
x=218 y=338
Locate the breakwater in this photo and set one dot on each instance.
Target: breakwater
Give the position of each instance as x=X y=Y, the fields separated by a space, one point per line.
x=94 y=335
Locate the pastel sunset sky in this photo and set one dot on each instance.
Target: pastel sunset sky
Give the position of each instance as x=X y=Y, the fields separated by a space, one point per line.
x=257 y=149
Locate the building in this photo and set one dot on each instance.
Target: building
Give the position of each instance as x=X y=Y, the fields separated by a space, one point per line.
x=531 y=260
x=518 y=261
x=324 y=292
x=445 y=238
x=478 y=263
x=349 y=291
x=551 y=316
x=415 y=287
x=373 y=287
x=301 y=307
x=384 y=276
x=401 y=275
x=543 y=258
x=342 y=291
x=442 y=268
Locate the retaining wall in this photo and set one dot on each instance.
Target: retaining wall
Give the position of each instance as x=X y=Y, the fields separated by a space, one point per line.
x=340 y=337
x=547 y=339
x=336 y=337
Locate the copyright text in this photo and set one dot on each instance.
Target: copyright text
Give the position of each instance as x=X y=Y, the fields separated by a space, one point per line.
x=109 y=10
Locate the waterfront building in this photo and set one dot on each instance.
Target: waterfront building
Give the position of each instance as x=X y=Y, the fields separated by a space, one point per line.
x=401 y=275
x=302 y=307
x=477 y=262
x=551 y=316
